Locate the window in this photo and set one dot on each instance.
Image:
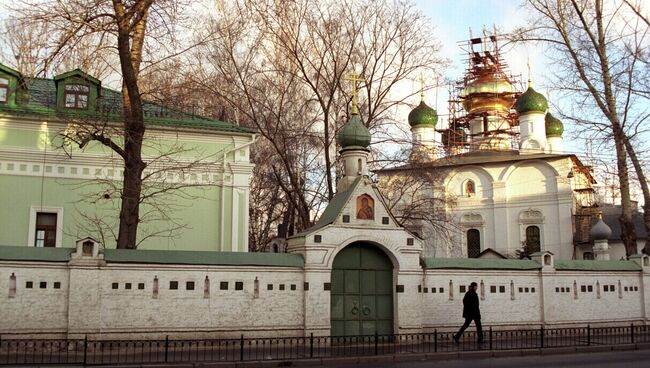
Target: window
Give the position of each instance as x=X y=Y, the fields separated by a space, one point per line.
x=4 y=89
x=45 y=229
x=588 y=256
x=45 y=226
x=189 y=285
x=473 y=243
x=533 y=239
x=173 y=285
x=470 y=188
x=76 y=96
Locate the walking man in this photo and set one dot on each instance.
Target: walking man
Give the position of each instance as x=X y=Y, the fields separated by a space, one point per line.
x=471 y=312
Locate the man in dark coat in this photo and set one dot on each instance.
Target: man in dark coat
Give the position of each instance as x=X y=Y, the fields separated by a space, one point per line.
x=471 y=312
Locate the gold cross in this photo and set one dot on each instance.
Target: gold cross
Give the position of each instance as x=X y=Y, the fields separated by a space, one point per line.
x=354 y=78
x=421 y=88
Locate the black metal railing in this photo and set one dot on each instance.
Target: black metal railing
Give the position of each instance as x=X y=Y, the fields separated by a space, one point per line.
x=99 y=352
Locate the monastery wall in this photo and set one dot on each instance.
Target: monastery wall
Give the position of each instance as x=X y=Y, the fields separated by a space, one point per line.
x=121 y=300
x=141 y=301
x=516 y=298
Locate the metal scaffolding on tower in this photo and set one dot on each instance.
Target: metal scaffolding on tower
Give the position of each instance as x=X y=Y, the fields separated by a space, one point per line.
x=486 y=93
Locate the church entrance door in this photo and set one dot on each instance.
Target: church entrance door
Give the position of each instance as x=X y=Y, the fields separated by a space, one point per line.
x=361 y=292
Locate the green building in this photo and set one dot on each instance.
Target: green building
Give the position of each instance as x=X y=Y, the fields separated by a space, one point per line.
x=54 y=190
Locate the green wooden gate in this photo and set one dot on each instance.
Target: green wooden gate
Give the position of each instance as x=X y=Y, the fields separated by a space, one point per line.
x=362 y=292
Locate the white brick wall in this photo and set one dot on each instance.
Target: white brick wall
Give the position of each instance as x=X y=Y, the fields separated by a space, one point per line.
x=87 y=303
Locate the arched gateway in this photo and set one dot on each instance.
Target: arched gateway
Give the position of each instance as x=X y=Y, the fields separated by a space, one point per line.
x=361 y=291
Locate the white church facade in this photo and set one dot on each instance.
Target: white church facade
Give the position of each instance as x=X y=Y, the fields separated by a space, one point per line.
x=498 y=171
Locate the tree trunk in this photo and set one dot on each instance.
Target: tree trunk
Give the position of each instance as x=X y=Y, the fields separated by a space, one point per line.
x=628 y=234
x=638 y=167
x=130 y=40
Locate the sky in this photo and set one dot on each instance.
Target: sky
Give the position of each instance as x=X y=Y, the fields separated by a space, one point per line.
x=453 y=21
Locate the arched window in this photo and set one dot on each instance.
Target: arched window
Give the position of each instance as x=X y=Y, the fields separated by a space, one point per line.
x=473 y=243
x=532 y=239
x=359 y=165
x=470 y=188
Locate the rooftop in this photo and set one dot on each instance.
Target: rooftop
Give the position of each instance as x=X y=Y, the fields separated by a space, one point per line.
x=41 y=101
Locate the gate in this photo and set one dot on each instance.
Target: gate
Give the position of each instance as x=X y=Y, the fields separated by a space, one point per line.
x=361 y=292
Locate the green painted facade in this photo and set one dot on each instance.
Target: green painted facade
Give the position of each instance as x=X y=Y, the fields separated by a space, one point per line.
x=36 y=174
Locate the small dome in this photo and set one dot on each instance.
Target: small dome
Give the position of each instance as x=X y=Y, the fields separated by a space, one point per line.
x=423 y=115
x=454 y=137
x=353 y=134
x=531 y=100
x=600 y=231
x=554 y=127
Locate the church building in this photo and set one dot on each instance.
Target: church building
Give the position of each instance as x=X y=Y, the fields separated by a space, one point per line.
x=498 y=172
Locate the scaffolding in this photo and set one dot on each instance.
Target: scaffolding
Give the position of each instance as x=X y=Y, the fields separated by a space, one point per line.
x=487 y=91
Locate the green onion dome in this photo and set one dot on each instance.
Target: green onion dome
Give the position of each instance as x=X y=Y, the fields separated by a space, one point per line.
x=554 y=127
x=531 y=100
x=353 y=134
x=423 y=115
x=453 y=137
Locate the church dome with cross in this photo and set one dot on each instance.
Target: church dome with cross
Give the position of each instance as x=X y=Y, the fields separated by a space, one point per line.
x=423 y=115
x=354 y=134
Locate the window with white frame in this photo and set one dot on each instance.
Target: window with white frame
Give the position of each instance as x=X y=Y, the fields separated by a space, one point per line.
x=45 y=226
x=4 y=89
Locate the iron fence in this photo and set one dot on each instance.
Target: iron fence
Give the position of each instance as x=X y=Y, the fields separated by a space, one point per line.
x=99 y=352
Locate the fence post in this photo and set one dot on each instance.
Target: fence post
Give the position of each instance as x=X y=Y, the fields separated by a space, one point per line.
x=588 y=335
x=241 y=347
x=311 y=345
x=435 y=340
x=490 y=337
x=85 y=348
x=376 y=343
x=632 y=332
x=541 y=336
x=166 y=347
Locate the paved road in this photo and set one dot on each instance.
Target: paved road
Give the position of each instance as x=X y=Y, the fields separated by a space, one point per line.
x=610 y=359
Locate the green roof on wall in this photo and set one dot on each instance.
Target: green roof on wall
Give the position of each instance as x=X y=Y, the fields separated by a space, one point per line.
x=13 y=253
x=8 y=253
x=480 y=264
x=589 y=265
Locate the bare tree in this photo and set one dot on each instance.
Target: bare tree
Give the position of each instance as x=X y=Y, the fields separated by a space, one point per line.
x=598 y=49
x=140 y=34
x=280 y=65
x=416 y=197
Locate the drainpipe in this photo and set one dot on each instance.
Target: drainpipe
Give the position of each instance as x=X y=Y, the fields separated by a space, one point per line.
x=223 y=186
